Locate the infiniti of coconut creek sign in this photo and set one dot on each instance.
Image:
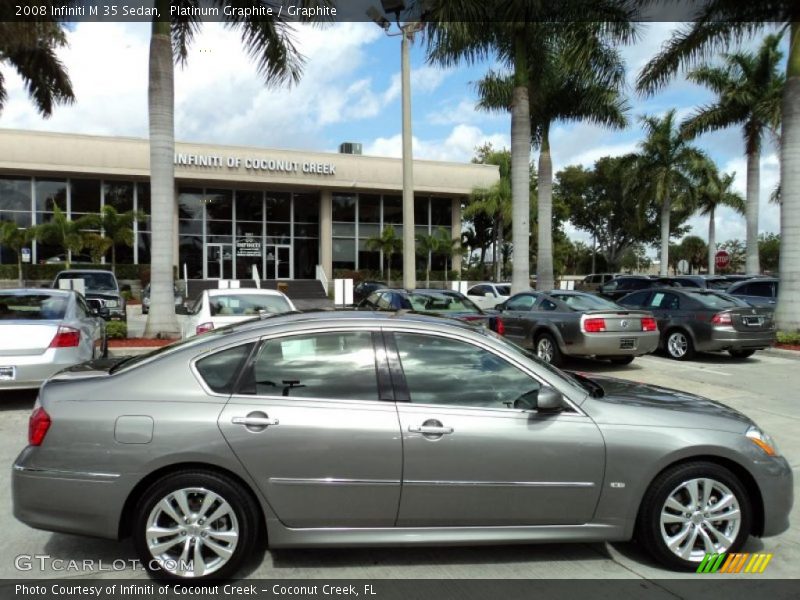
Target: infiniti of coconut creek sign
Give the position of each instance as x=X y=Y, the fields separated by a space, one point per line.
x=270 y=165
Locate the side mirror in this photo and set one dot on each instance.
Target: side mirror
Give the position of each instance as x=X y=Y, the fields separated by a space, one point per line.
x=501 y=306
x=544 y=400
x=181 y=310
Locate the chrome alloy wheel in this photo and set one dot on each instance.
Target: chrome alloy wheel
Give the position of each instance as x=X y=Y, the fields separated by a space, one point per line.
x=192 y=532
x=677 y=344
x=700 y=516
x=544 y=349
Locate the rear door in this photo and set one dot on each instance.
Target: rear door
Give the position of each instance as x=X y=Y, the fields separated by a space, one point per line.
x=667 y=309
x=315 y=425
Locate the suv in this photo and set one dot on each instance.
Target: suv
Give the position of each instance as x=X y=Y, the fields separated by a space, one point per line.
x=101 y=291
x=592 y=283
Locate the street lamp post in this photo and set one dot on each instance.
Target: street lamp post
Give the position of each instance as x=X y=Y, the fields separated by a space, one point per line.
x=406 y=33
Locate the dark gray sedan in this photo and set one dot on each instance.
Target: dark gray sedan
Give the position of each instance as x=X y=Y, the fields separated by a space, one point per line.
x=563 y=323
x=693 y=320
x=375 y=428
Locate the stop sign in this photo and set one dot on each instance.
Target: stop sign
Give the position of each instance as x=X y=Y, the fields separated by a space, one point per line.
x=722 y=259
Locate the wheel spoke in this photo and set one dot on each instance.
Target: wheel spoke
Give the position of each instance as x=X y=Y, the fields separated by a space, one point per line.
x=731 y=515
x=691 y=488
x=673 y=518
x=183 y=502
x=208 y=501
x=673 y=503
x=225 y=536
x=198 y=563
x=222 y=510
x=723 y=503
x=721 y=537
x=707 y=487
x=222 y=551
x=158 y=549
x=708 y=544
x=185 y=553
x=155 y=532
x=686 y=553
x=167 y=507
x=675 y=541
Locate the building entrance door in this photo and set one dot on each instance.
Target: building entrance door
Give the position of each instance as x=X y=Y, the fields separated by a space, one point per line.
x=278 y=262
x=219 y=261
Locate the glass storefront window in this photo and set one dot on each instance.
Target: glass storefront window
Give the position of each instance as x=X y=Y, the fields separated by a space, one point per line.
x=249 y=206
x=421 y=211
x=368 y=259
x=187 y=227
x=369 y=208
x=49 y=194
x=143 y=242
x=22 y=219
x=392 y=209
x=344 y=229
x=306 y=208
x=344 y=208
x=441 y=212
x=119 y=194
x=306 y=257
x=219 y=205
x=245 y=227
x=190 y=204
x=279 y=207
x=344 y=254
x=15 y=194
x=279 y=231
x=190 y=252
x=219 y=228
x=84 y=196
x=368 y=230
x=306 y=230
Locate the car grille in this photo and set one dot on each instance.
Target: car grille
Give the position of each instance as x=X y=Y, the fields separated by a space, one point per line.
x=627 y=343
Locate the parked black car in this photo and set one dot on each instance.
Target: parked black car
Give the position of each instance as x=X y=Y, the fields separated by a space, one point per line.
x=693 y=320
x=703 y=282
x=101 y=291
x=446 y=303
x=625 y=284
x=365 y=288
x=761 y=291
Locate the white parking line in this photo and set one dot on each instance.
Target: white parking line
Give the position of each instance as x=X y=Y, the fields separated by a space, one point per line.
x=684 y=365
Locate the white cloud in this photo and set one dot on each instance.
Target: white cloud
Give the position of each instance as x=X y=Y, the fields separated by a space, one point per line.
x=458 y=146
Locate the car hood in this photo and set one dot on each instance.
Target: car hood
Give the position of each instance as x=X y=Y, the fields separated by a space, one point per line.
x=627 y=402
x=107 y=294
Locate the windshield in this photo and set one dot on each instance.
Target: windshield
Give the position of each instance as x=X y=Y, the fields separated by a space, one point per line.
x=34 y=307
x=503 y=290
x=718 y=284
x=585 y=302
x=441 y=303
x=716 y=300
x=237 y=305
x=98 y=282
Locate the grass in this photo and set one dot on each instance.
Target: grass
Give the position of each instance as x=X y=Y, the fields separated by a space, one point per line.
x=785 y=337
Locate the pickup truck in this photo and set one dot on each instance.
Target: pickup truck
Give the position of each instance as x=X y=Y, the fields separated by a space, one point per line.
x=101 y=291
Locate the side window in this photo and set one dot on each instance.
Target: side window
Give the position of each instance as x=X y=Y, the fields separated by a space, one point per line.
x=638 y=284
x=81 y=310
x=219 y=370
x=744 y=290
x=445 y=371
x=338 y=365
x=664 y=301
x=383 y=300
x=475 y=291
x=762 y=288
x=637 y=299
x=524 y=302
x=547 y=305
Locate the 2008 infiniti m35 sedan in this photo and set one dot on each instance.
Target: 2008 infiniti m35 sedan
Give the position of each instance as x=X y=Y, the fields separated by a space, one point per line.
x=359 y=428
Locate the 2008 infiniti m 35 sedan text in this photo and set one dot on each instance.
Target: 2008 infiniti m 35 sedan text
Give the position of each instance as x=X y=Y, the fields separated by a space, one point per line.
x=357 y=428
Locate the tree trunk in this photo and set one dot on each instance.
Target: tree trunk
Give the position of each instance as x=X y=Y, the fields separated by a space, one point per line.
x=520 y=167
x=19 y=267
x=428 y=271
x=666 y=210
x=753 y=177
x=544 y=213
x=113 y=257
x=787 y=313
x=498 y=263
x=389 y=270
x=712 y=242
x=161 y=319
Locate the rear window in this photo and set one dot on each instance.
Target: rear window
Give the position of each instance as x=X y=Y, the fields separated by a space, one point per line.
x=579 y=303
x=503 y=290
x=716 y=300
x=246 y=305
x=219 y=370
x=441 y=303
x=34 y=307
x=100 y=282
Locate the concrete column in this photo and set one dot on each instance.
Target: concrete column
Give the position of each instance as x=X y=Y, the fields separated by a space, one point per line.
x=326 y=232
x=456 y=231
x=176 y=241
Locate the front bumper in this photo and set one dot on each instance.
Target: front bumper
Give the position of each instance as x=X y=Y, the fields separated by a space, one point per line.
x=66 y=501
x=776 y=483
x=727 y=338
x=611 y=344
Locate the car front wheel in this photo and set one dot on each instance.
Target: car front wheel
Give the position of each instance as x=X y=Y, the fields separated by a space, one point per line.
x=679 y=345
x=692 y=510
x=195 y=525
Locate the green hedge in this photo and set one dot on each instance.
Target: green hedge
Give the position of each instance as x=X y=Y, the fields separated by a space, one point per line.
x=116 y=330
x=49 y=271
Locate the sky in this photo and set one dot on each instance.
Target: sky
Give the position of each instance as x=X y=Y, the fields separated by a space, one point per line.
x=350 y=91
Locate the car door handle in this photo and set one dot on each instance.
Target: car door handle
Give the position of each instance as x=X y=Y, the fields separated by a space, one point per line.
x=254 y=421
x=430 y=429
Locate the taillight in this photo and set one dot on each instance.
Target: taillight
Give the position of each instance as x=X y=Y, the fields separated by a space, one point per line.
x=67 y=337
x=38 y=425
x=594 y=325
x=721 y=319
x=203 y=327
x=496 y=324
x=649 y=324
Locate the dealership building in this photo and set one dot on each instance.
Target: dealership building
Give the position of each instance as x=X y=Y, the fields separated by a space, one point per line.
x=283 y=211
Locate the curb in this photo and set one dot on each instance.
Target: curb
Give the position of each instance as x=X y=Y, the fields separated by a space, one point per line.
x=792 y=354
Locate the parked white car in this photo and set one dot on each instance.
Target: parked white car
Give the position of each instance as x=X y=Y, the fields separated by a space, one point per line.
x=489 y=295
x=220 y=307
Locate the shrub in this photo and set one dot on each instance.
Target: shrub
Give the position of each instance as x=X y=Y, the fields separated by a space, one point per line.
x=785 y=337
x=116 y=330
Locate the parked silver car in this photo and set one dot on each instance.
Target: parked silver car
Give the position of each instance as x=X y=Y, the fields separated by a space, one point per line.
x=43 y=331
x=366 y=428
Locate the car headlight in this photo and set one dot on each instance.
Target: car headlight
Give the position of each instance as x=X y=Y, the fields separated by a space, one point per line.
x=763 y=441
x=112 y=303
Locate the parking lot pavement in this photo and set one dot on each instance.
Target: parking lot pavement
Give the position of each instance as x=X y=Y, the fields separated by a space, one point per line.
x=765 y=387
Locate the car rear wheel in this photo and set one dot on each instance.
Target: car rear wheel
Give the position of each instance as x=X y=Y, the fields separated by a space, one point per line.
x=679 y=345
x=621 y=360
x=741 y=353
x=547 y=349
x=195 y=525
x=691 y=510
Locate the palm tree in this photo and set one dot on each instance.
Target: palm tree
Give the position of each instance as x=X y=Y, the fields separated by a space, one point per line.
x=388 y=244
x=748 y=89
x=97 y=245
x=518 y=33
x=15 y=238
x=117 y=227
x=427 y=245
x=663 y=172
x=493 y=202
x=718 y=25
x=269 y=42
x=564 y=90
x=446 y=246
x=715 y=191
x=30 y=48
x=63 y=232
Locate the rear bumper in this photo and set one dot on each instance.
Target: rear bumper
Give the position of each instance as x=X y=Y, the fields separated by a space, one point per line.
x=31 y=371
x=729 y=339
x=610 y=344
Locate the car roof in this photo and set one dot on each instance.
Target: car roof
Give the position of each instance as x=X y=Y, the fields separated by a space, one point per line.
x=248 y=291
x=70 y=271
x=743 y=282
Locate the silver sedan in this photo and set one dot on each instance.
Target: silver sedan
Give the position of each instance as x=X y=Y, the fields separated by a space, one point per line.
x=43 y=331
x=358 y=428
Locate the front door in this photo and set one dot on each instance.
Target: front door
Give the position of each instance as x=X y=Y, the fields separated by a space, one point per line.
x=516 y=317
x=219 y=261
x=278 y=262
x=310 y=427
x=471 y=459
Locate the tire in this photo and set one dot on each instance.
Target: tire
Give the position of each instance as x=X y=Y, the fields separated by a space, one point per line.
x=741 y=353
x=546 y=348
x=694 y=535
x=145 y=310
x=236 y=528
x=621 y=360
x=678 y=345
